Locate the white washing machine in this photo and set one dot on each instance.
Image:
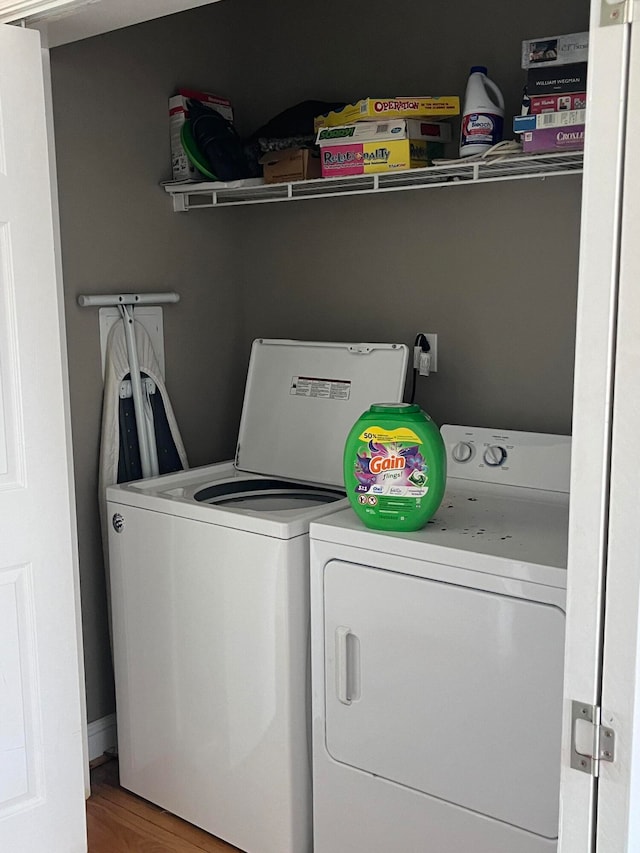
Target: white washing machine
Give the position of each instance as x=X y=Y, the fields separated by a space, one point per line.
x=209 y=573
x=437 y=661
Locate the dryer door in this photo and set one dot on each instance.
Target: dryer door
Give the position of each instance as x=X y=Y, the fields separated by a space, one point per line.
x=452 y=691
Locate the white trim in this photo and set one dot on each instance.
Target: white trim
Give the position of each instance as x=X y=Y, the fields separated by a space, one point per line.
x=19 y=10
x=102 y=736
x=57 y=247
x=81 y=20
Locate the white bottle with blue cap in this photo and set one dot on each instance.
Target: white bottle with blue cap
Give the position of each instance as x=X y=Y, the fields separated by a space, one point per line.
x=483 y=114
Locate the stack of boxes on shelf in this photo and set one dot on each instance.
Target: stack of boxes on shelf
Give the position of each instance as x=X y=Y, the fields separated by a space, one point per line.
x=554 y=106
x=377 y=135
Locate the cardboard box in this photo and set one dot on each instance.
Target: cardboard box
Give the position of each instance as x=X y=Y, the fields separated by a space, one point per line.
x=290 y=164
x=566 y=79
x=375 y=109
x=556 y=103
x=422 y=153
x=555 y=50
x=553 y=140
x=370 y=131
x=362 y=131
x=564 y=118
x=432 y=131
x=181 y=167
x=361 y=158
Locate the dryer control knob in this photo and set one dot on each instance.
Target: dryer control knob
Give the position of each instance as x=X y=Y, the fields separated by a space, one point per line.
x=494 y=455
x=462 y=452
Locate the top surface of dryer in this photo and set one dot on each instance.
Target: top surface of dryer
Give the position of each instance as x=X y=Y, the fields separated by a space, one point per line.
x=302 y=398
x=509 y=518
x=513 y=533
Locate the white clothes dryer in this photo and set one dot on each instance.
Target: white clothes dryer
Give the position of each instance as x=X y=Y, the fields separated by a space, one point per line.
x=209 y=573
x=437 y=661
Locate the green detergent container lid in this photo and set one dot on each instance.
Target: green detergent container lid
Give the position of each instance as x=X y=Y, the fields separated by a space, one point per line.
x=395 y=467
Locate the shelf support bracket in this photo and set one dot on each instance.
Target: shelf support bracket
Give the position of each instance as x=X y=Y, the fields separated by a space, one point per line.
x=179 y=203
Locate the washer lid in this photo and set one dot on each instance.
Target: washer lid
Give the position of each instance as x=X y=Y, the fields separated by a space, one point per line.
x=302 y=398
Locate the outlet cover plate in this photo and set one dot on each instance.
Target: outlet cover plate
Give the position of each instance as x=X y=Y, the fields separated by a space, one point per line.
x=432 y=337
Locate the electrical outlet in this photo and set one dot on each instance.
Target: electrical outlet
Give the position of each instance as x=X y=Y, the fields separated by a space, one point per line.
x=432 y=337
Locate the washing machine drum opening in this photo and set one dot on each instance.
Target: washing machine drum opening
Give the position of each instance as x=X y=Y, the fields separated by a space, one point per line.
x=266 y=495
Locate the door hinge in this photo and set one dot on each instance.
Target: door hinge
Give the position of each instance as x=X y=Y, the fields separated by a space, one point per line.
x=591 y=742
x=614 y=12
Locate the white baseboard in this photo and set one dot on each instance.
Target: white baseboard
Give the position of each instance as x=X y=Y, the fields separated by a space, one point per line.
x=102 y=735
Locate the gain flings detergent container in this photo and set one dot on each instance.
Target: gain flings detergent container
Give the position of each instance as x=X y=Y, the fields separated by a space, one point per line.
x=395 y=467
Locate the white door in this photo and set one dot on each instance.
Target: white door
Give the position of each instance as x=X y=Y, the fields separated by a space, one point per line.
x=610 y=38
x=41 y=746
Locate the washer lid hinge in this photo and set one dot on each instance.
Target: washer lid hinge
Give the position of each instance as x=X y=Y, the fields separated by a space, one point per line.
x=591 y=742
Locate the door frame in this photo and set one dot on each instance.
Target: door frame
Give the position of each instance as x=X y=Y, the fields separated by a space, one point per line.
x=618 y=826
x=596 y=327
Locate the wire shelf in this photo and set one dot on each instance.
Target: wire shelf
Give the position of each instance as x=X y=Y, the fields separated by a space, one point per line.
x=458 y=173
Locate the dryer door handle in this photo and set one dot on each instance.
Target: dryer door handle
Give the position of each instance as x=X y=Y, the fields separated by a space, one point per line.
x=347 y=665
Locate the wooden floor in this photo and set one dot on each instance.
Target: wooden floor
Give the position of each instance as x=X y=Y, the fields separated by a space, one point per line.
x=119 y=822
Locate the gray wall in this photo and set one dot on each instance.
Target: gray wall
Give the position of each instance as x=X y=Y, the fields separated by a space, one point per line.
x=501 y=298
x=119 y=234
x=492 y=269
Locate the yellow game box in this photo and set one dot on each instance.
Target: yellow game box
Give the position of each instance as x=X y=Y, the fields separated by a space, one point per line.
x=376 y=109
x=391 y=155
